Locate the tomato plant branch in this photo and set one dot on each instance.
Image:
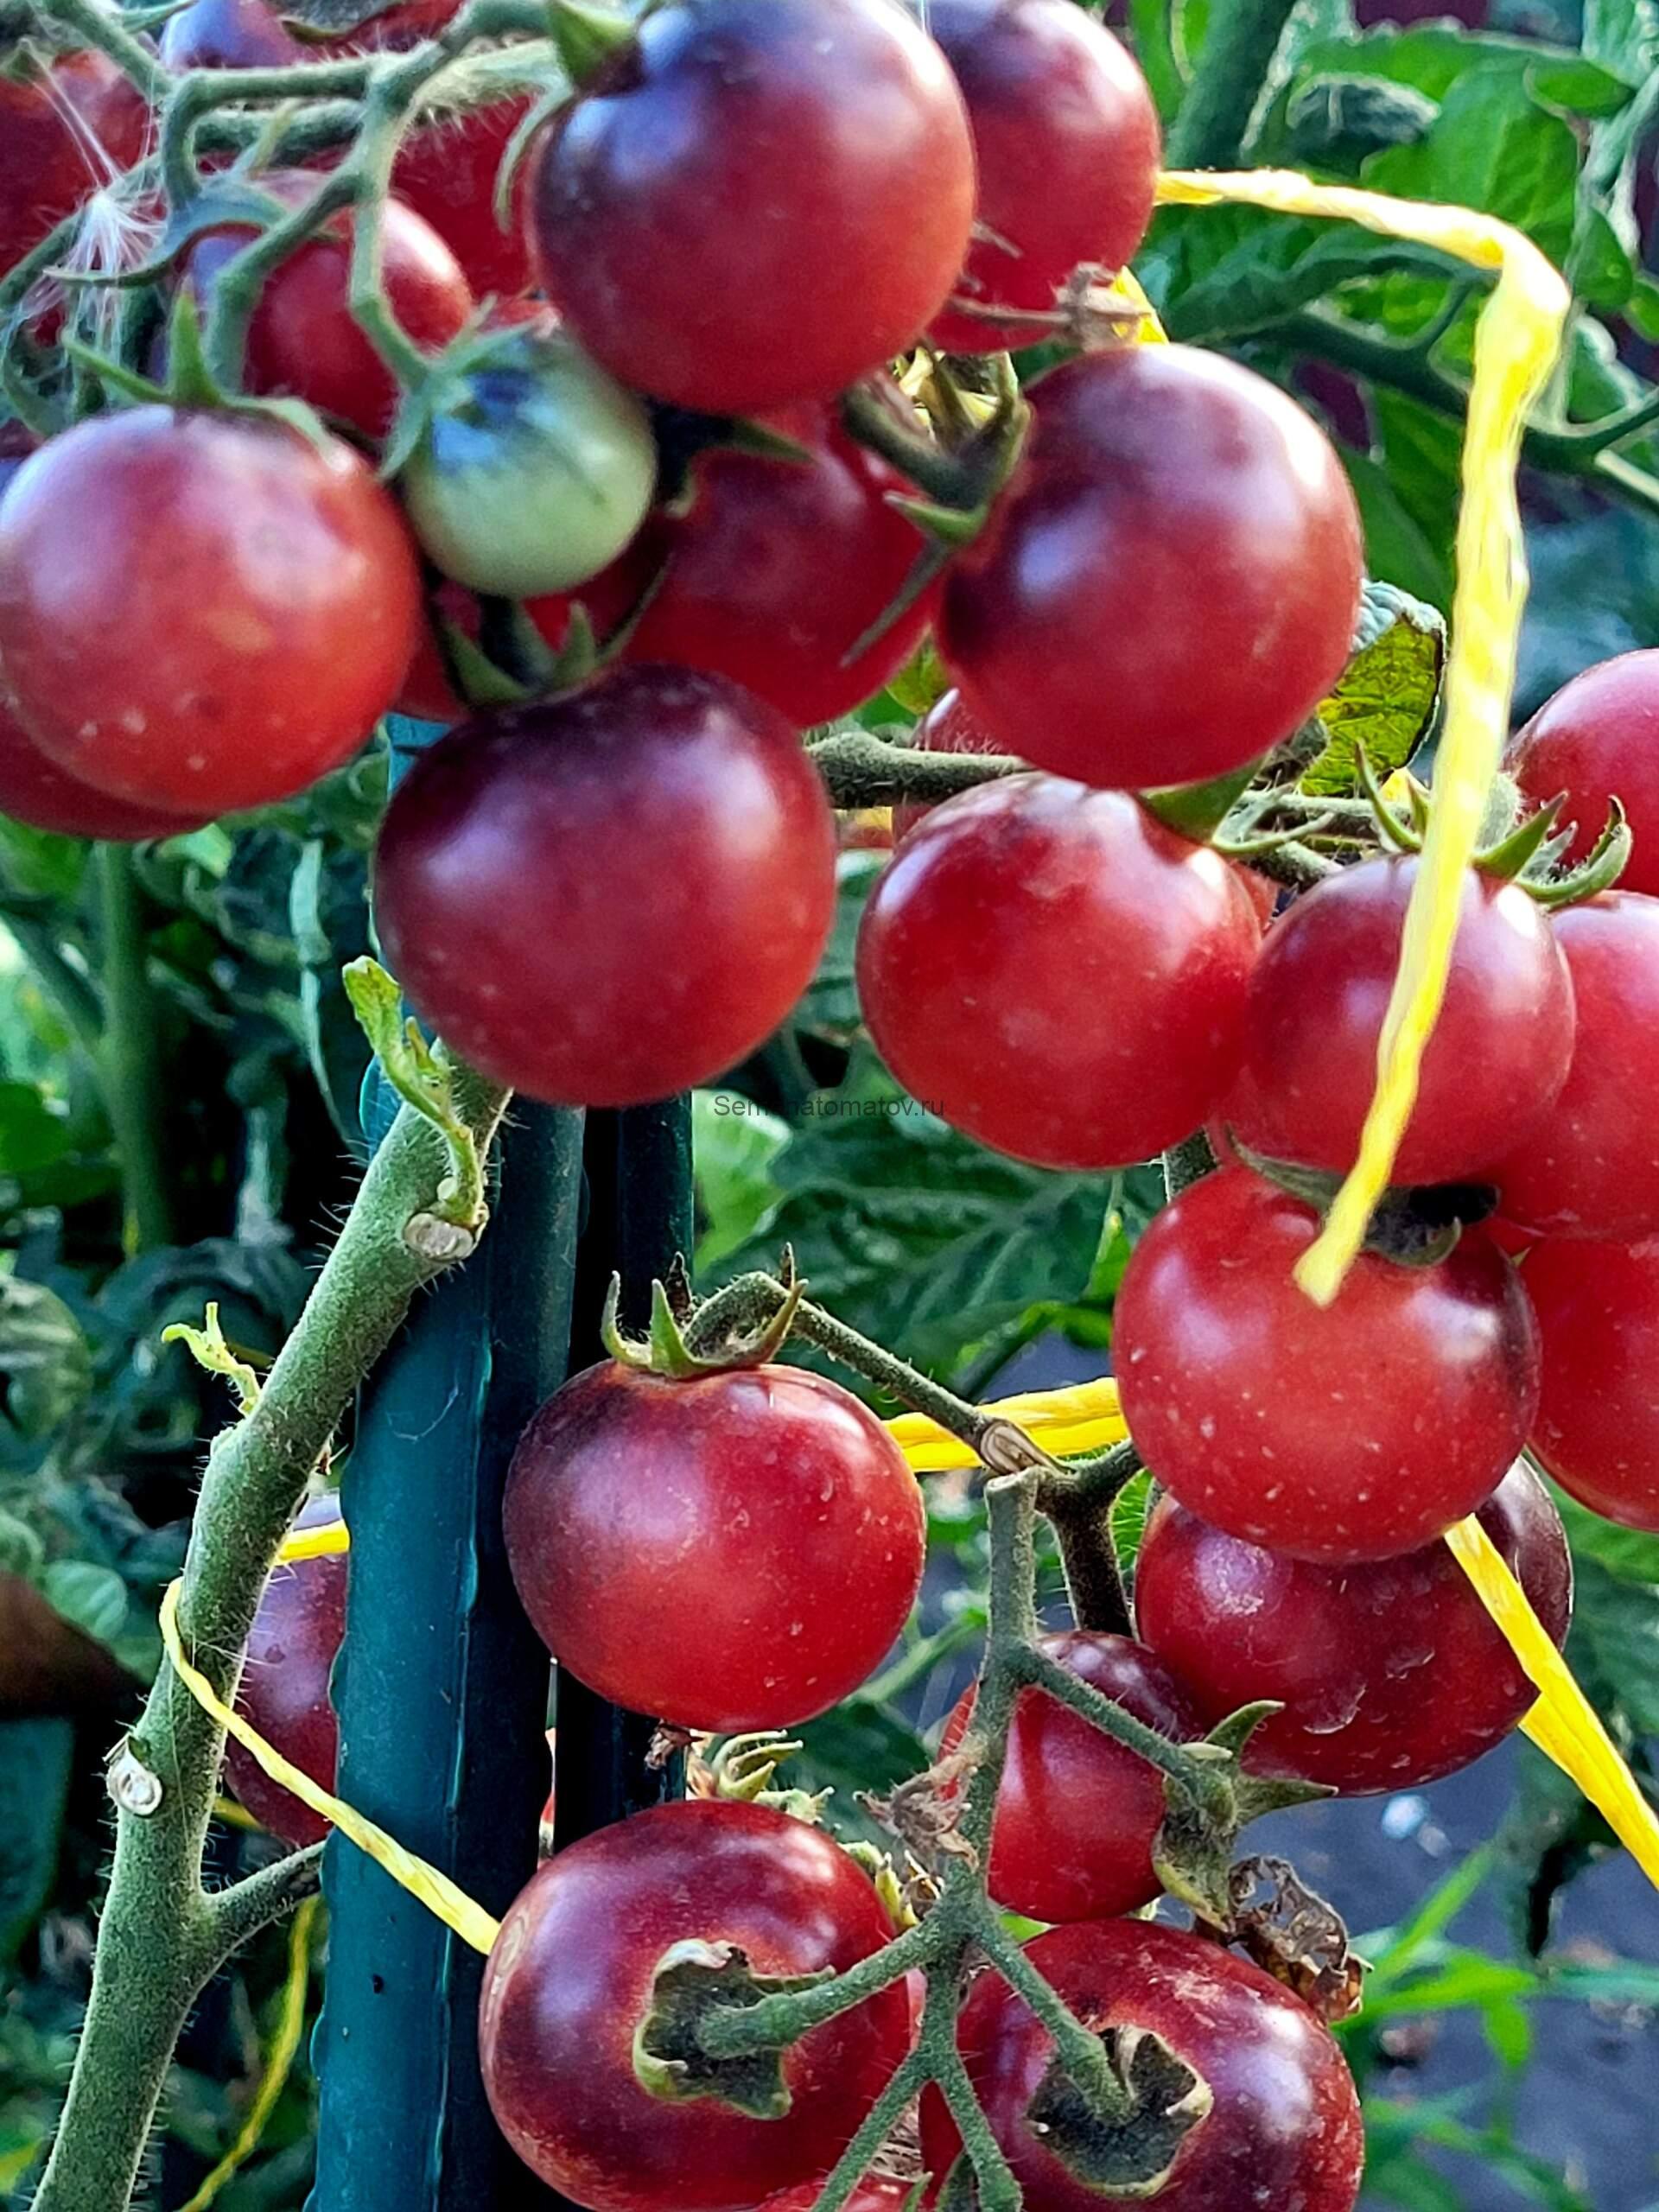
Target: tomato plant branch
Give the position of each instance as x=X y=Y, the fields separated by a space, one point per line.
x=130 y=1055
x=1243 y=37
x=1585 y=451
x=1094 y=1584
x=861 y=770
x=162 y=1935
x=103 y=28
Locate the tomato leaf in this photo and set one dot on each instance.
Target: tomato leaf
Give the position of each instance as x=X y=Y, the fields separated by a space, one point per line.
x=89 y=1597
x=1387 y=697
x=34 y=1761
x=916 y=1235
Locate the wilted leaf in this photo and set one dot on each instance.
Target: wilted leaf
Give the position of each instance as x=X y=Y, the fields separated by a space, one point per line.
x=1387 y=697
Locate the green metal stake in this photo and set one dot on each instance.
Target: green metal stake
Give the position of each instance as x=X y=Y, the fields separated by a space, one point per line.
x=442 y=1689
x=442 y=1692
x=640 y=1218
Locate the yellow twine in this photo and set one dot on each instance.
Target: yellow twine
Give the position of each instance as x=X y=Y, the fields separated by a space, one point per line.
x=1517 y=338
x=435 y=1890
x=279 y=2059
x=1563 y=1723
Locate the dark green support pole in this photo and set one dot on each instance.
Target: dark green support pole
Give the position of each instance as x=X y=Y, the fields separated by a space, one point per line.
x=640 y=1218
x=442 y=1690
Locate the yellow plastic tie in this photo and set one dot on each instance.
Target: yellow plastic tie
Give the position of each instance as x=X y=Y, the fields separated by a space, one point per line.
x=1563 y=1723
x=1517 y=338
x=279 y=2059
x=435 y=1890
x=1084 y=1418
x=326 y=1542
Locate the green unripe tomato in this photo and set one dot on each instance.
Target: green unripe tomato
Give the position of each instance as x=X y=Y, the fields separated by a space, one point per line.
x=533 y=470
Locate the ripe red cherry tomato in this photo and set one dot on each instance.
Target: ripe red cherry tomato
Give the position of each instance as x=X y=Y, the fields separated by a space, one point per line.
x=1495 y=1064
x=302 y=340
x=1077 y=1814
x=569 y=1981
x=610 y=897
x=200 y=613
x=756 y=204
x=250 y=34
x=283 y=1693
x=35 y=790
x=1598 y=740
x=1391 y=1673
x=1284 y=2129
x=1169 y=585
x=1592 y=1167
x=772 y=571
x=1057 y=974
x=759 y=1572
x=1355 y=1431
x=447 y=170
x=949 y=726
x=65 y=130
x=1597 y=1426
x=230 y=34
x=1067 y=147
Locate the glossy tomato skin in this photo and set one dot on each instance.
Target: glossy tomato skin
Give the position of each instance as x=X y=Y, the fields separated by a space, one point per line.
x=1592 y=1167
x=250 y=34
x=1350 y=1431
x=229 y=35
x=1169 y=585
x=1284 y=2129
x=878 y=2194
x=735 y=1551
x=302 y=340
x=756 y=205
x=1598 y=740
x=64 y=132
x=283 y=1693
x=772 y=570
x=446 y=171
x=1495 y=1064
x=1067 y=148
x=612 y=984
x=949 y=726
x=1057 y=974
x=1077 y=1814
x=35 y=790
x=1391 y=1673
x=570 y=1978
x=1597 y=1426
x=202 y=613
x=534 y=468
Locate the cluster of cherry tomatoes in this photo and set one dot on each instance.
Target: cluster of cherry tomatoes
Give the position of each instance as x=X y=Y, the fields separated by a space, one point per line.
x=606 y=894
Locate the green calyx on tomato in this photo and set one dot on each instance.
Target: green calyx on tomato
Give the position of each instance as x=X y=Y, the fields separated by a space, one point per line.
x=1527 y=850
x=665 y=1350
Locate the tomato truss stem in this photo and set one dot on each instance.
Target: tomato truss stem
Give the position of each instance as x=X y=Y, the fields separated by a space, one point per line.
x=163 y=1935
